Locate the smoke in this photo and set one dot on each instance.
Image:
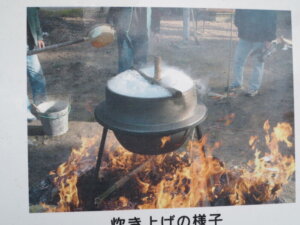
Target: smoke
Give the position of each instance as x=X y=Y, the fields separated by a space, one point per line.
x=202 y=88
x=130 y=83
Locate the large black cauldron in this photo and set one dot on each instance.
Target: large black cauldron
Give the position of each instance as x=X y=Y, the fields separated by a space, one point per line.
x=140 y=123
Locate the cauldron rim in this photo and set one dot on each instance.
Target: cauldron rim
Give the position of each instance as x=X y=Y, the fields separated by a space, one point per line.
x=103 y=117
x=149 y=98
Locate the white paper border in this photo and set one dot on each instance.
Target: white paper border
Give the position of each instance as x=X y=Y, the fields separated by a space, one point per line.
x=14 y=207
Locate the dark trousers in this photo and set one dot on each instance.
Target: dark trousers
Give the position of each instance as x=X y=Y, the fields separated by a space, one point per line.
x=133 y=51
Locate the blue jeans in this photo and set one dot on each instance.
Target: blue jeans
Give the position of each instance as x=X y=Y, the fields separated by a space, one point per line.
x=243 y=50
x=36 y=79
x=132 y=51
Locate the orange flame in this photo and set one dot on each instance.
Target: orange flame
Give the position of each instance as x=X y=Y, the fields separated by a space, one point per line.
x=228 y=119
x=206 y=179
x=186 y=179
x=66 y=175
x=270 y=171
x=164 y=140
x=252 y=142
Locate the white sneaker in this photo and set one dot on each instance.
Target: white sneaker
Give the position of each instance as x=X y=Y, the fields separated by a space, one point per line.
x=30 y=116
x=252 y=93
x=234 y=91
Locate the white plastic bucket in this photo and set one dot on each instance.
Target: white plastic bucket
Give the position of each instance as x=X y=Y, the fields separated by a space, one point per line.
x=54 y=116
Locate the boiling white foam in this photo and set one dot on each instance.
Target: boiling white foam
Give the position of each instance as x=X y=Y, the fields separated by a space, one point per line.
x=131 y=83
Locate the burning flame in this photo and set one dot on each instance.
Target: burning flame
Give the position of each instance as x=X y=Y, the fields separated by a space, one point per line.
x=183 y=179
x=253 y=140
x=66 y=175
x=228 y=119
x=164 y=140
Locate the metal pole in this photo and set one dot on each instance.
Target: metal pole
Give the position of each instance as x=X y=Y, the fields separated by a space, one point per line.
x=186 y=24
x=55 y=46
x=100 y=153
x=230 y=55
x=199 y=137
x=195 y=26
x=198 y=132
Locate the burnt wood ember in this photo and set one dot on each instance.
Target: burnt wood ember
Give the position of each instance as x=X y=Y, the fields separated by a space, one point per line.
x=45 y=192
x=187 y=178
x=130 y=195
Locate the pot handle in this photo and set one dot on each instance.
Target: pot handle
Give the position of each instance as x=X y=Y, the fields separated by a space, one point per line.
x=55 y=46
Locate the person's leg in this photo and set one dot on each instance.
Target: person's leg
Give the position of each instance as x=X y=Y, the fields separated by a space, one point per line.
x=242 y=51
x=36 y=79
x=125 y=54
x=258 y=68
x=30 y=116
x=140 y=49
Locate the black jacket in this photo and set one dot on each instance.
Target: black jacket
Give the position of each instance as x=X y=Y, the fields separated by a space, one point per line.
x=256 y=25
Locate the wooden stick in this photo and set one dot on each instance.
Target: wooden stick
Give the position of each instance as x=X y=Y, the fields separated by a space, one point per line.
x=121 y=182
x=215 y=95
x=157 y=68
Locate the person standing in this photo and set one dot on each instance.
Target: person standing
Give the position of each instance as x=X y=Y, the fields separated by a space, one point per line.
x=34 y=70
x=256 y=30
x=133 y=26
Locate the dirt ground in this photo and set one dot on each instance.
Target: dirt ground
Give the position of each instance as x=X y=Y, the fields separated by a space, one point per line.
x=80 y=73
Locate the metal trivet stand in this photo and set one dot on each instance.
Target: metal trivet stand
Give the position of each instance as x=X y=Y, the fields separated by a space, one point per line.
x=102 y=145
